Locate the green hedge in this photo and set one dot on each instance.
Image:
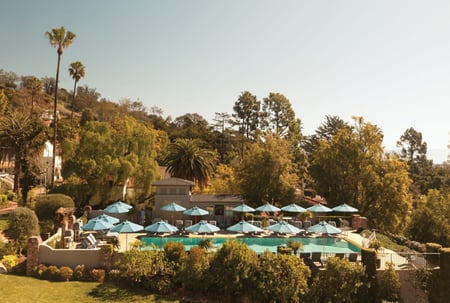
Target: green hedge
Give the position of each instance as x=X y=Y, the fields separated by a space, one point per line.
x=369 y=259
x=46 y=206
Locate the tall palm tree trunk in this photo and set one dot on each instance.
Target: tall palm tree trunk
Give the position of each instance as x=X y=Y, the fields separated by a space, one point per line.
x=73 y=103
x=55 y=118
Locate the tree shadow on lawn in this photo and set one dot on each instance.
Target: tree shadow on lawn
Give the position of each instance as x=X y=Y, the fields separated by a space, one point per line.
x=115 y=293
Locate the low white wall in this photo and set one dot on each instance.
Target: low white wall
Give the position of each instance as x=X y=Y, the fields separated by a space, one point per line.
x=90 y=258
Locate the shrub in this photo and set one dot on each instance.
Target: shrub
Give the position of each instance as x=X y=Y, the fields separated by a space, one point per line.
x=79 y=273
x=232 y=269
x=9 y=261
x=3 y=200
x=12 y=196
x=284 y=250
x=97 y=275
x=295 y=245
x=21 y=266
x=22 y=224
x=194 y=269
x=39 y=270
x=341 y=281
x=46 y=206
x=280 y=278
x=65 y=274
x=389 y=284
x=51 y=273
x=175 y=253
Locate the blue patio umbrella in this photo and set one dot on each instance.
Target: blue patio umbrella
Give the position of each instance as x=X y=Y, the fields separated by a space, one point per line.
x=195 y=211
x=161 y=227
x=244 y=227
x=345 y=208
x=324 y=228
x=283 y=227
x=293 y=208
x=202 y=227
x=173 y=207
x=97 y=224
x=121 y=203
x=109 y=219
x=127 y=227
x=268 y=208
x=319 y=208
x=117 y=208
x=243 y=208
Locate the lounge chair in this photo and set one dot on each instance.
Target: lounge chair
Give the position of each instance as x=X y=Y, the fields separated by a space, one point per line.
x=352 y=257
x=339 y=255
x=306 y=257
x=316 y=259
x=179 y=224
x=187 y=223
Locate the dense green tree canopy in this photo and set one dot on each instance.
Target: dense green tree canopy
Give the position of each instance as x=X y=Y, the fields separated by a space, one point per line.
x=267 y=172
x=352 y=168
x=22 y=137
x=107 y=155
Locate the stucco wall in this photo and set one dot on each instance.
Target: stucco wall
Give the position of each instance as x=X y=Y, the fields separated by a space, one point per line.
x=91 y=258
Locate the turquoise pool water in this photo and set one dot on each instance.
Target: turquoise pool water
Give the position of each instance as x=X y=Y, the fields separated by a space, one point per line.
x=325 y=245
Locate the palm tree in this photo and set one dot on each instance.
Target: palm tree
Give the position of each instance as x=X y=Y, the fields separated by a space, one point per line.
x=76 y=71
x=187 y=159
x=22 y=137
x=60 y=38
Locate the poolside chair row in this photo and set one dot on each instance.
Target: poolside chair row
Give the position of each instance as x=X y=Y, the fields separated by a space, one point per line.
x=315 y=258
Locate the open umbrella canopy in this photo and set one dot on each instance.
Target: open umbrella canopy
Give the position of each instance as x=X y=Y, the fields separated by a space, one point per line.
x=109 y=219
x=127 y=227
x=97 y=224
x=161 y=227
x=283 y=227
x=268 y=208
x=243 y=208
x=324 y=228
x=293 y=208
x=123 y=204
x=345 y=208
x=195 y=211
x=118 y=208
x=203 y=227
x=319 y=208
x=173 y=207
x=244 y=227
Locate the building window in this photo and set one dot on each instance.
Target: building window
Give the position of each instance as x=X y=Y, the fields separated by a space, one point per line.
x=219 y=210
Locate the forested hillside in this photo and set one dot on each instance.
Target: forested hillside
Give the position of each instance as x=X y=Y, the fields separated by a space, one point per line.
x=257 y=150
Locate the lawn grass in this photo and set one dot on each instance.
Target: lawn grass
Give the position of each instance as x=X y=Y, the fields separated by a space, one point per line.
x=386 y=242
x=20 y=289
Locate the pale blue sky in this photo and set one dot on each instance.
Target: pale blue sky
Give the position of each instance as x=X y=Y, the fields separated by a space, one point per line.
x=387 y=61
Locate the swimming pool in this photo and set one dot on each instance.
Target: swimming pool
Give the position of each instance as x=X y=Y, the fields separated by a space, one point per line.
x=322 y=244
